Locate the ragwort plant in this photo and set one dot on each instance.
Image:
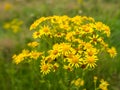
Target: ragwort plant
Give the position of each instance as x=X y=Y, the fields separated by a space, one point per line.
x=71 y=45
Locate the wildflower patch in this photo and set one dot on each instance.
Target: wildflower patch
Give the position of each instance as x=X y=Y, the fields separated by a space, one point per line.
x=70 y=44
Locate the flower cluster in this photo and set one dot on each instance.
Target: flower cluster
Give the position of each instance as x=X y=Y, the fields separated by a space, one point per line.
x=67 y=42
x=14 y=25
x=103 y=84
x=98 y=84
x=78 y=82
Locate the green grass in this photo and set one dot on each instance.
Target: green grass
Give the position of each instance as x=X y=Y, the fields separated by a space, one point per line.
x=26 y=76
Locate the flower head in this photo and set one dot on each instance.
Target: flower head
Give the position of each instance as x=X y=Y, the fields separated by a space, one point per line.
x=75 y=60
x=45 y=68
x=112 y=52
x=78 y=82
x=91 y=61
x=33 y=44
x=103 y=85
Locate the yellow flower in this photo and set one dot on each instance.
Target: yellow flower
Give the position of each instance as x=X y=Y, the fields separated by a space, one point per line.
x=103 y=85
x=78 y=82
x=112 y=51
x=48 y=58
x=77 y=20
x=45 y=68
x=91 y=61
x=91 y=51
x=65 y=26
x=102 y=28
x=68 y=67
x=91 y=19
x=70 y=36
x=54 y=53
x=104 y=45
x=45 y=30
x=56 y=46
x=99 y=26
x=65 y=48
x=35 y=55
x=106 y=30
x=81 y=44
x=33 y=44
x=37 y=22
x=88 y=46
x=20 y=57
x=94 y=39
x=75 y=60
x=87 y=28
x=36 y=34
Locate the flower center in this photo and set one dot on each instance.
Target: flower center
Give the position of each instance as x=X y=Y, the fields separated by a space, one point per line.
x=91 y=60
x=45 y=67
x=75 y=60
x=55 y=52
x=46 y=30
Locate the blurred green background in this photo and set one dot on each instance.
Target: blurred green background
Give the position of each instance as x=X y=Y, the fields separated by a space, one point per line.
x=15 y=35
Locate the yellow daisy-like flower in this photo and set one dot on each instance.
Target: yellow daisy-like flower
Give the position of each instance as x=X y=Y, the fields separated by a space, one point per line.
x=77 y=20
x=75 y=60
x=94 y=39
x=91 y=51
x=45 y=68
x=91 y=19
x=45 y=30
x=33 y=44
x=65 y=26
x=87 y=28
x=54 y=53
x=103 y=85
x=65 y=48
x=70 y=36
x=56 y=46
x=106 y=30
x=88 y=46
x=91 y=61
x=48 y=58
x=104 y=45
x=18 y=58
x=99 y=26
x=36 y=34
x=112 y=51
x=35 y=55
